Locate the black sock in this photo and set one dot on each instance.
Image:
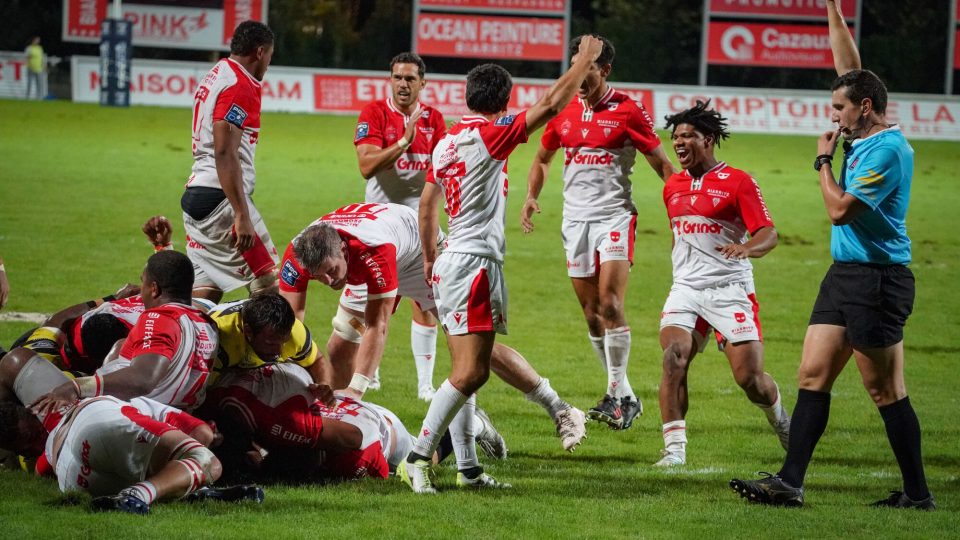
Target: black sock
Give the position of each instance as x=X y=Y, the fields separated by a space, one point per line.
x=903 y=432
x=446 y=446
x=472 y=472
x=413 y=457
x=806 y=426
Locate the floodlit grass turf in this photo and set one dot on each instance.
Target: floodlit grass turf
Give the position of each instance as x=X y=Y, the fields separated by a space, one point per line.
x=76 y=182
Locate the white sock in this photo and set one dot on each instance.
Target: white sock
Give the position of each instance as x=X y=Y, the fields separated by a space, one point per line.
x=545 y=396
x=776 y=413
x=446 y=403
x=463 y=434
x=145 y=491
x=597 y=344
x=675 y=437
x=423 y=343
x=616 y=345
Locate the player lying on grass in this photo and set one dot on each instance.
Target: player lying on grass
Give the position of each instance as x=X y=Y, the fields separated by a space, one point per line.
x=379 y=246
x=719 y=220
x=125 y=454
x=166 y=356
x=304 y=439
x=78 y=338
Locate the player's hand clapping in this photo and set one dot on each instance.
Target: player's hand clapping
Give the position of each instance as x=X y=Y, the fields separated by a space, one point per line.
x=411 y=129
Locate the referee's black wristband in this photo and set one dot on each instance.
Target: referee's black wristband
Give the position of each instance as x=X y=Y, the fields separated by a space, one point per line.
x=820 y=160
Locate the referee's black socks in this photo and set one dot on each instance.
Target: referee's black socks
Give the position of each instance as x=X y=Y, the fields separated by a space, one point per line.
x=806 y=426
x=903 y=432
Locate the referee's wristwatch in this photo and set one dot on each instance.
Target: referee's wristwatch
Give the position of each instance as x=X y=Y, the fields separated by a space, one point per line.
x=821 y=159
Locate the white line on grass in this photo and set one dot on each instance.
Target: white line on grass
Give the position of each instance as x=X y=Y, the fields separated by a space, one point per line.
x=20 y=316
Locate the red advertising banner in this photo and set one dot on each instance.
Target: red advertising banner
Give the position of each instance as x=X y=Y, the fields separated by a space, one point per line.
x=81 y=18
x=770 y=44
x=956 y=50
x=237 y=11
x=780 y=8
x=202 y=24
x=506 y=38
x=545 y=7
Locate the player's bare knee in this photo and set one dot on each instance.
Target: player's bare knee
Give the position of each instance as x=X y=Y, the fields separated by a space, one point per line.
x=611 y=311
x=676 y=358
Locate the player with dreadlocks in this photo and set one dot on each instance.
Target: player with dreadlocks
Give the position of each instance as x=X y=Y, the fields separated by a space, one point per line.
x=719 y=220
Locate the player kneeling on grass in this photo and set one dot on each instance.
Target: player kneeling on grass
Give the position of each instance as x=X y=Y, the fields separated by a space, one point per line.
x=718 y=219
x=126 y=454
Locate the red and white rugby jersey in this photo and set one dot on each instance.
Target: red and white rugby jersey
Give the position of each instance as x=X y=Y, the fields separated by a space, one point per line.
x=718 y=208
x=126 y=310
x=382 y=124
x=372 y=425
x=470 y=166
x=184 y=336
x=380 y=239
x=227 y=92
x=600 y=146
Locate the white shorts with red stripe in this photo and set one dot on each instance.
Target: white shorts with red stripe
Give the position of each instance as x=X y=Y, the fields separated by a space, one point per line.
x=109 y=444
x=410 y=284
x=589 y=244
x=731 y=310
x=216 y=263
x=471 y=294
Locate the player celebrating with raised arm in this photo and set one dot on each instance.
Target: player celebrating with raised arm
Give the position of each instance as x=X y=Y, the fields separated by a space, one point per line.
x=600 y=132
x=712 y=209
x=868 y=292
x=227 y=240
x=394 y=139
x=470 y=173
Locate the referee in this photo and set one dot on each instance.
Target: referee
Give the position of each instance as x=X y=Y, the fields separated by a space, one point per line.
x=868 y=292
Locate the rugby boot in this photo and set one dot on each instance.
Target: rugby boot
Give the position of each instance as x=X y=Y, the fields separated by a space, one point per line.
x=899 y=499
x=571 y=427
x=630 y=408
x=607 y=411
x=771 y=490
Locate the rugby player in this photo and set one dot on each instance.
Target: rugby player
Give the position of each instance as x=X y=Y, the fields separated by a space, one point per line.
x=470 y=174
x=867 y=294
x=227 y=240
x=600 y=132
x=719 y=220
x=125 y=454
x=394 y=139
x=166 y=356
x=379 y=246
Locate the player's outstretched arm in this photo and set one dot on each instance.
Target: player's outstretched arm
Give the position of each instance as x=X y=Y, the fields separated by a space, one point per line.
x=376 y=319
x=562 y=91
x=660 y=163
x=372 y=159
x=846 y=57
x=226 y=154
x=535 y=181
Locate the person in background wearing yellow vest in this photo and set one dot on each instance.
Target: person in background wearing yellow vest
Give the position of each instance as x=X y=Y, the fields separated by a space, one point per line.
x=36 y=63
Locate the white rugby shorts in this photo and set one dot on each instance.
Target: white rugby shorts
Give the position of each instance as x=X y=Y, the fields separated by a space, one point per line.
x=471 y=294
x=216 y=263
x=732 y=311
x=411 y=283
x=589 y=244
x=109 y=445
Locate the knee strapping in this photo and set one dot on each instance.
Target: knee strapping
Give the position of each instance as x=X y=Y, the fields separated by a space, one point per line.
x=347 y=326
x=36 y=378
x=198 y=460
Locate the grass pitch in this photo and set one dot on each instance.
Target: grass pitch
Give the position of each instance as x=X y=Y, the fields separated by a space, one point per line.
x=76 y=182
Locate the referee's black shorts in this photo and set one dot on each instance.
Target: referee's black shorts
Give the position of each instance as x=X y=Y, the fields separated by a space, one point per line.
x=871 y=301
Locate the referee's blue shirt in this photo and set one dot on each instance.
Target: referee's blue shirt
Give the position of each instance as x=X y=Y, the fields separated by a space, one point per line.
x=877 y=170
